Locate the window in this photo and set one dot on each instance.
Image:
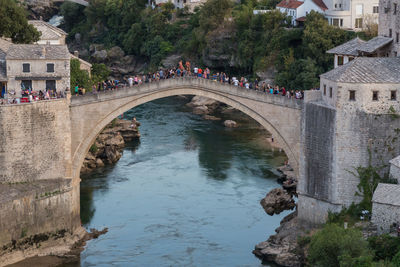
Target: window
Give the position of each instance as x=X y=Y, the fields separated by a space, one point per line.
x=351 y=59
x=340 y=60
x=50 y=85
x=390 y=33
x=352 y=95
x=394 y=9
x=341 y=22
x=324 y=89
x=26 y=85
x=397 y=37
x=375 y=9
x=50 y=67
x=335 y=22
x=330 y=92
x=375 y=96
x=359 y=23
x=26 y=67
x=393 y=95
x=359 y=10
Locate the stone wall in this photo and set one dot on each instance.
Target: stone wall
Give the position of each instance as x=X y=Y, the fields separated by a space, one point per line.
x=37 y=194
x=386 y=207
x=36 y=141
x=40 y=207
x=334 y=143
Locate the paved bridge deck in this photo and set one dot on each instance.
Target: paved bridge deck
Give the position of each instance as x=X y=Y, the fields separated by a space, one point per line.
x=200 y=83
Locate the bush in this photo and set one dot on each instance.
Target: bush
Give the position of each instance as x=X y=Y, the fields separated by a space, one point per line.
x=334 y=246
x=93 y=148
x=396 y=260
x=385 y=246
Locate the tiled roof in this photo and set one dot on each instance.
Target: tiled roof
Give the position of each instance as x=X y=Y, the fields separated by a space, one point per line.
x=387 y=194
x=27 y=52
x=81 y=60
x=49 y=32
x=293 y=4
x=374 y=44
x=320 y=4
x=367 y=70
x=350 y=48
x=4 y=46
x=301 y=19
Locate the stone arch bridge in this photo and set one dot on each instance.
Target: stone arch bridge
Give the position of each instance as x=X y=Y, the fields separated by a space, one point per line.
x=43 y=145
x=91 y=113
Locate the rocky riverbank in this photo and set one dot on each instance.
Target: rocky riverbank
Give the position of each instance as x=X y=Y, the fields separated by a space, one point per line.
x=48 y=249
x=108 y=147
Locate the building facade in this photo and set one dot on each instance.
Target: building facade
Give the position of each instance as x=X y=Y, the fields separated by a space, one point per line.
x=389 y=24
x=49 y=33
x=352 y=14
x=37 y=68
x=346 y=14
x=297 y=10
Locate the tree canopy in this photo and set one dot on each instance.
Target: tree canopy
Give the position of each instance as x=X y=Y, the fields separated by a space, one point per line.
x=14 y=23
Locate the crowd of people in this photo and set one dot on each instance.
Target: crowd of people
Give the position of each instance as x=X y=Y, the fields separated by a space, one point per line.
x=28 y=96
x=185 y=70
x=182 y=70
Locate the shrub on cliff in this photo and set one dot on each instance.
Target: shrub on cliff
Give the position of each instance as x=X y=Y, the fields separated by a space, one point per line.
x=385 y=247
x=335 y=246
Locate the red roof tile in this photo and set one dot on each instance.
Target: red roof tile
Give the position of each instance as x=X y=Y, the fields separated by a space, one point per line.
x=321 y=4
x=290 y=4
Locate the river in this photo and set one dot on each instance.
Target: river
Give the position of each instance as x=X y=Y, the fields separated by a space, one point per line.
x=187 y=194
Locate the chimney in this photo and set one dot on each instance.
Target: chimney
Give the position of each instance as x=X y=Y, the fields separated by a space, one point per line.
x=76 y=53
x=43 y=51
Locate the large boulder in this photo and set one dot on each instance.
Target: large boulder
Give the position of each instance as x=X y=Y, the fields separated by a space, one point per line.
x=100 y=55
x=115 y=53
x=200 y=110
x=276 y=201
x=230 y=124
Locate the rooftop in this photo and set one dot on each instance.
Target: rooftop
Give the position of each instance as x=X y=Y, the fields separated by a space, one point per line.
x=349 y=49
x=4 y=46
x=320 y=4
x=29 y=52
x=387 y=194
x=49 y=32
x=293 y=4
x=367 y=70
x=374 y=44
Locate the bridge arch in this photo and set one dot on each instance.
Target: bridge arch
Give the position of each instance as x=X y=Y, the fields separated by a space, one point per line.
x=89 y=115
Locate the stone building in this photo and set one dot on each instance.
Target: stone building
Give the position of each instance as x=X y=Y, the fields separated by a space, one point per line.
x=37 y=67
x=376 y=47
x=354 y=123
x=191 y=4
x=389 y=24
x=49 y=34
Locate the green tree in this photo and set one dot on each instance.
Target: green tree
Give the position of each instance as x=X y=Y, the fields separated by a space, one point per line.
x=14 y=24
x=319 y=37
x=79 y=77
x=334 y=246
x=100 y=72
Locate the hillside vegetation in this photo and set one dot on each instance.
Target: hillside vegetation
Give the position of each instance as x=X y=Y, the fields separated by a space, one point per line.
x=222 y=34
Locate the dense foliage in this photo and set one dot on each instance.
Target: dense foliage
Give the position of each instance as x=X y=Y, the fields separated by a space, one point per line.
x=79 y=77
x=335 y=246
x=224 y=35
x=14 y=24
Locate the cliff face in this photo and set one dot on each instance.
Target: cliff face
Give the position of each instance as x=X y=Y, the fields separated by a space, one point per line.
x=107 y=149
x=44 y=9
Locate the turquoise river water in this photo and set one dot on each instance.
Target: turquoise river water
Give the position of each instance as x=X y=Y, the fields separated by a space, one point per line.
x=187 y=194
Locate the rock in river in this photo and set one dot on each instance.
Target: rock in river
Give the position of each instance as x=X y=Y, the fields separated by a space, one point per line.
x=276 y=201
